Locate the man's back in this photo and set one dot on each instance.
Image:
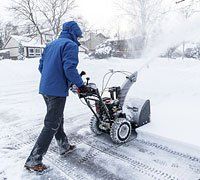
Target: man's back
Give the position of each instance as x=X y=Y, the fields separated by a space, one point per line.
x=60 y=57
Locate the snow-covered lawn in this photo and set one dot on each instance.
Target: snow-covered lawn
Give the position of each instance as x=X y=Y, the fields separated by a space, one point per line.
x=173 y=86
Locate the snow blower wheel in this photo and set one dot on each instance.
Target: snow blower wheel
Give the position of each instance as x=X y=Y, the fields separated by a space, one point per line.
x=120 y=130
x=94 y=126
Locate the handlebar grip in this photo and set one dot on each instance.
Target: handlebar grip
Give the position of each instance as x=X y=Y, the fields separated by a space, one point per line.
x=82 y=73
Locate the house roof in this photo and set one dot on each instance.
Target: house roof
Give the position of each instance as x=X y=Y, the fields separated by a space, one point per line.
x=83 y=48
x=26 y=41
x=4 y=51
x=92 y=35
x=133 y=39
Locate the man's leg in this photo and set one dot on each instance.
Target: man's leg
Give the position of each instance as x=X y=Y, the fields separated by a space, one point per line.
x=62 y=139
x=53 y=119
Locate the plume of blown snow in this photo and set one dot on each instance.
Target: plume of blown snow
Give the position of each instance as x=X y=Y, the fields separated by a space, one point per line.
x=173 y=30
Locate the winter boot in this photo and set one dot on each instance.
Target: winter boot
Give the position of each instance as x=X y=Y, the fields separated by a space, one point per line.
x=71 y=148
x=36 y=168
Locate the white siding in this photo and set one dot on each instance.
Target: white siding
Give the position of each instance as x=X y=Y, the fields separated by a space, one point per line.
x=12 y=43
x=13 y=47
x=14 y=52
x=25 y=52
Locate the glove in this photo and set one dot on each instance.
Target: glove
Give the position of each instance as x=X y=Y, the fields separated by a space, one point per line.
x=73 y=88
x=83 y=89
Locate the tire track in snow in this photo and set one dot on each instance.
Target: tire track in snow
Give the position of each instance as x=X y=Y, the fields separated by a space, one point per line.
x=110 y=150
x=71 y=165
x=167 y=149
x=99 y=147
x=18 y=129
x=159 y=157
x=87 y=161
x=137 y=165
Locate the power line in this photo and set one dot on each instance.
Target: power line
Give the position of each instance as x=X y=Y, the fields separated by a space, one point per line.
x=177 y=2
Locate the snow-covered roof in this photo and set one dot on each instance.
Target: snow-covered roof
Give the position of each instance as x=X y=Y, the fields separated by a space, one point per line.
x=91 y=35
x=4 y=51
x=135 y=38
x=47 y=31
x=83 y=48
x=27 y=41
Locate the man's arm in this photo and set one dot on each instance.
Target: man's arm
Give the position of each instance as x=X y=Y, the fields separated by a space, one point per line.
x=70 y=62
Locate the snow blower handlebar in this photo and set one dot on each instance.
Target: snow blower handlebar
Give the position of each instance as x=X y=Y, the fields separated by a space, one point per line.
x=82 y=73
x=91 y=88
x=121 y=91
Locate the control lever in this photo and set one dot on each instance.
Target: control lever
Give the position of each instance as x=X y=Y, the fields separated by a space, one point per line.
x=87 y=80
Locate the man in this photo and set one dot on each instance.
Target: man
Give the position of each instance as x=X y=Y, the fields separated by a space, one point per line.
x=58 y=69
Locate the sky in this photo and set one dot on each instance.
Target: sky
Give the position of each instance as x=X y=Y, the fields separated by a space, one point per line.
x=97 y=12
x=4 y=13
x=100 y=14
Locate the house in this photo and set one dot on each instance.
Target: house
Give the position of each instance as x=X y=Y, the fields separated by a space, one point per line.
x=91 y=40
x=20 y=47
x=123 y=48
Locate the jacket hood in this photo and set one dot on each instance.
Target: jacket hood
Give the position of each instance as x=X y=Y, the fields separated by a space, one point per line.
x=72 y=31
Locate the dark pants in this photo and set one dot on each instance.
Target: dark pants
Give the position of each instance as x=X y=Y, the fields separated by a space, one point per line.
x=53 y=125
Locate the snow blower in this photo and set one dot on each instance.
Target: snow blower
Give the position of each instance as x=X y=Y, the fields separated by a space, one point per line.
x=109 y=115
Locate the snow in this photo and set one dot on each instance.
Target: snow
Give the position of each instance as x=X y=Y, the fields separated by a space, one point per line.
x=103 y=50
x=171 y=85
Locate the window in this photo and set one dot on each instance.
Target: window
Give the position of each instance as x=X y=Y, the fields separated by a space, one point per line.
x=31 y=52
x=38 y=52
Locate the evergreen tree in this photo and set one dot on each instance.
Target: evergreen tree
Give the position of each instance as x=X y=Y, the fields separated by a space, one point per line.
x=21 y=52
x=1 y=43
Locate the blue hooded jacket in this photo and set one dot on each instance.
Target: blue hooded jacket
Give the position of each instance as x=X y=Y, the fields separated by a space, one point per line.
x=59 y=61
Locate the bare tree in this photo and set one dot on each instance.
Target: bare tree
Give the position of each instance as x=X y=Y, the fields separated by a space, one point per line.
x=46 y=13
x=27 y=10
x=8 y=29
x=142 y=14
x=54 y=12
x=187 y=8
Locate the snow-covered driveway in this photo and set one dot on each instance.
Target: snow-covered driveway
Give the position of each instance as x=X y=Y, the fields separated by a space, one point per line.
x=144 y=157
